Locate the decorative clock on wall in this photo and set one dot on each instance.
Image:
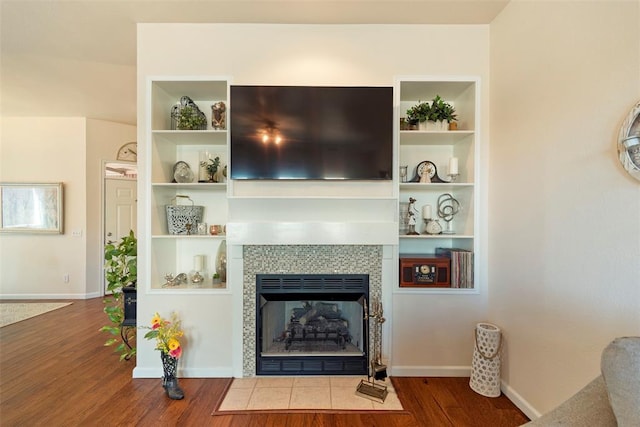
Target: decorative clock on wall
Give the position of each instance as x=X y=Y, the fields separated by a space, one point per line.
x=128 y=152
x=629 y=142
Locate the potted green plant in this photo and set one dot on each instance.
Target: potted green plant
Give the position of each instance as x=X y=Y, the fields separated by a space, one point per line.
x=449 y=113
x=121 y=265
x=216 y=279
x=191 y=118
x=442 y=112
x=212 y=168
x=418 y=113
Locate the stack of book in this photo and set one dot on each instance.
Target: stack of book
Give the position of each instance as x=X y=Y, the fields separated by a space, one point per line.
x=461 y=266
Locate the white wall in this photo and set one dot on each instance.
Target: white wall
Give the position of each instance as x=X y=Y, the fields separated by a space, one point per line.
x=564 y=216
x=55 y=149
x=429 y=331
x=45 y=149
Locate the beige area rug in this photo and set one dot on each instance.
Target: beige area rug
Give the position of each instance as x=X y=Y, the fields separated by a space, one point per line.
x=300 y=394
x=16 y=312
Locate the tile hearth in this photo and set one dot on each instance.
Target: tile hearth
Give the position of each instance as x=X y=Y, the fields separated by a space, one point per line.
x=272 y=393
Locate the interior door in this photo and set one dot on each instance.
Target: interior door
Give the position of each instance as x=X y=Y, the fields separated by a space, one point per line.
x=120 y=214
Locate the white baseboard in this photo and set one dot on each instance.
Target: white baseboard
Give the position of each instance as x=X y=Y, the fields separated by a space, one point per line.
x=50 y=296
x=519 y=401
x=430 y=371
x=223 y=372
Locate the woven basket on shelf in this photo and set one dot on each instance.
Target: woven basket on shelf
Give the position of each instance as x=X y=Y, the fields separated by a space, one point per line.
x=183 y=219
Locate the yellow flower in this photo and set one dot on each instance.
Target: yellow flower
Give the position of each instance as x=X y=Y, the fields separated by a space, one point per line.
x=155 y=321
x=173 y=344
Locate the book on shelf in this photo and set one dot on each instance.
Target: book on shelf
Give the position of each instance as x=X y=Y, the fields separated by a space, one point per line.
x=461 y=266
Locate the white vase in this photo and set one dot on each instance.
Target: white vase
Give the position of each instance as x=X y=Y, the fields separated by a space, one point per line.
x=423 y=125
x=432 y=125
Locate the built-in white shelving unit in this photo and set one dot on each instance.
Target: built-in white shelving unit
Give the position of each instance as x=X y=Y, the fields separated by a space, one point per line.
x=175 y=253
x=415 y=146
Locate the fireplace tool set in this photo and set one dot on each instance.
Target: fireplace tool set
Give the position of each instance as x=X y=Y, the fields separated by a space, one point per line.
x=377 y=370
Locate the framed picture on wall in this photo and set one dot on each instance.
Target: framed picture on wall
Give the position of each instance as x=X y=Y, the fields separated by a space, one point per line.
x=31 y=208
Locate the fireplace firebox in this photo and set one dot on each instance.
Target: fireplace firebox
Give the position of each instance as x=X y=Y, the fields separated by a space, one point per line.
x=311 y=324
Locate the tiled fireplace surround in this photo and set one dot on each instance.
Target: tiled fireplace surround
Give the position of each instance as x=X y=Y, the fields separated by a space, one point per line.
x=301 y=259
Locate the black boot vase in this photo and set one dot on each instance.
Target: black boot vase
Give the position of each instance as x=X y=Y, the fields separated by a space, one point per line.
x=172 y=388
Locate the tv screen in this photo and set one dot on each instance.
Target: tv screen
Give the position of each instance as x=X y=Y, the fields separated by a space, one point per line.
x=311 y=132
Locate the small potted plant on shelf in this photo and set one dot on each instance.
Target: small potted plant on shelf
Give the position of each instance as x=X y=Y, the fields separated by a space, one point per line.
x=450 y=116
x=443 y=113
x=212 y=168
x=191 y=118
x=417 y=114
x=216 y=279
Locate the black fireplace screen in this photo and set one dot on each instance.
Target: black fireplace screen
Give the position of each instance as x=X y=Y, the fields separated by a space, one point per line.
x=311 y=327
x=311 y=324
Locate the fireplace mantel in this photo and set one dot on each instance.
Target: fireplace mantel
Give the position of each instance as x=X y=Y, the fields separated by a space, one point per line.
x=312 y=233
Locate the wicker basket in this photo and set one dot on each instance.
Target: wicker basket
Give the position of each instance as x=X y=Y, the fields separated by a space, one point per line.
x=485 y=368
x=183 y=219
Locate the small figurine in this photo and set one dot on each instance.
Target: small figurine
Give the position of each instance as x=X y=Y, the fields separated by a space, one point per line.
x=411 y=214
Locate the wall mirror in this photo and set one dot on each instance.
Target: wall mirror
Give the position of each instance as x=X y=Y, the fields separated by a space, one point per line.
x=31 y=208
x=629 y=142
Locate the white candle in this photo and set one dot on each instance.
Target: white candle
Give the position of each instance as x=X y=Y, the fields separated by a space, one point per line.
x=197 y=261
x=453 y=166
x=426 y=212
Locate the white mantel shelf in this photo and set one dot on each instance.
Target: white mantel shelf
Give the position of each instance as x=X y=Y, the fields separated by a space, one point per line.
x=312 y=233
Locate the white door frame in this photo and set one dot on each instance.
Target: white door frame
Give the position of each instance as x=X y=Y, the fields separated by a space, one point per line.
x=103 y=208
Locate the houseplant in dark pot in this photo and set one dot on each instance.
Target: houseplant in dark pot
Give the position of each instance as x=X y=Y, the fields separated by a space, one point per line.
x=121 y=273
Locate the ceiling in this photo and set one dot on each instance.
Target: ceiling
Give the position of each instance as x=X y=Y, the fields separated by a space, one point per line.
x=78 y=58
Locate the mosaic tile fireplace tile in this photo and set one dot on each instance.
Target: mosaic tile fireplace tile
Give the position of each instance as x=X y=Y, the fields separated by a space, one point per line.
x=301 y=259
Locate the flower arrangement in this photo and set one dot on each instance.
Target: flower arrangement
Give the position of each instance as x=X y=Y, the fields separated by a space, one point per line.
x=167 y=334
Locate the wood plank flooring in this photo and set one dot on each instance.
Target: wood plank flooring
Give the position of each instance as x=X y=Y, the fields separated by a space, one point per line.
x=54 y=371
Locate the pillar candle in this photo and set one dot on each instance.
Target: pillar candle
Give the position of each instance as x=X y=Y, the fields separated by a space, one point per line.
x=197 y=261
x=453 y=166
x=426 y=212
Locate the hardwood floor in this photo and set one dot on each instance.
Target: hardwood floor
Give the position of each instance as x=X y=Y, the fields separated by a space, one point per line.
x=55 y=371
